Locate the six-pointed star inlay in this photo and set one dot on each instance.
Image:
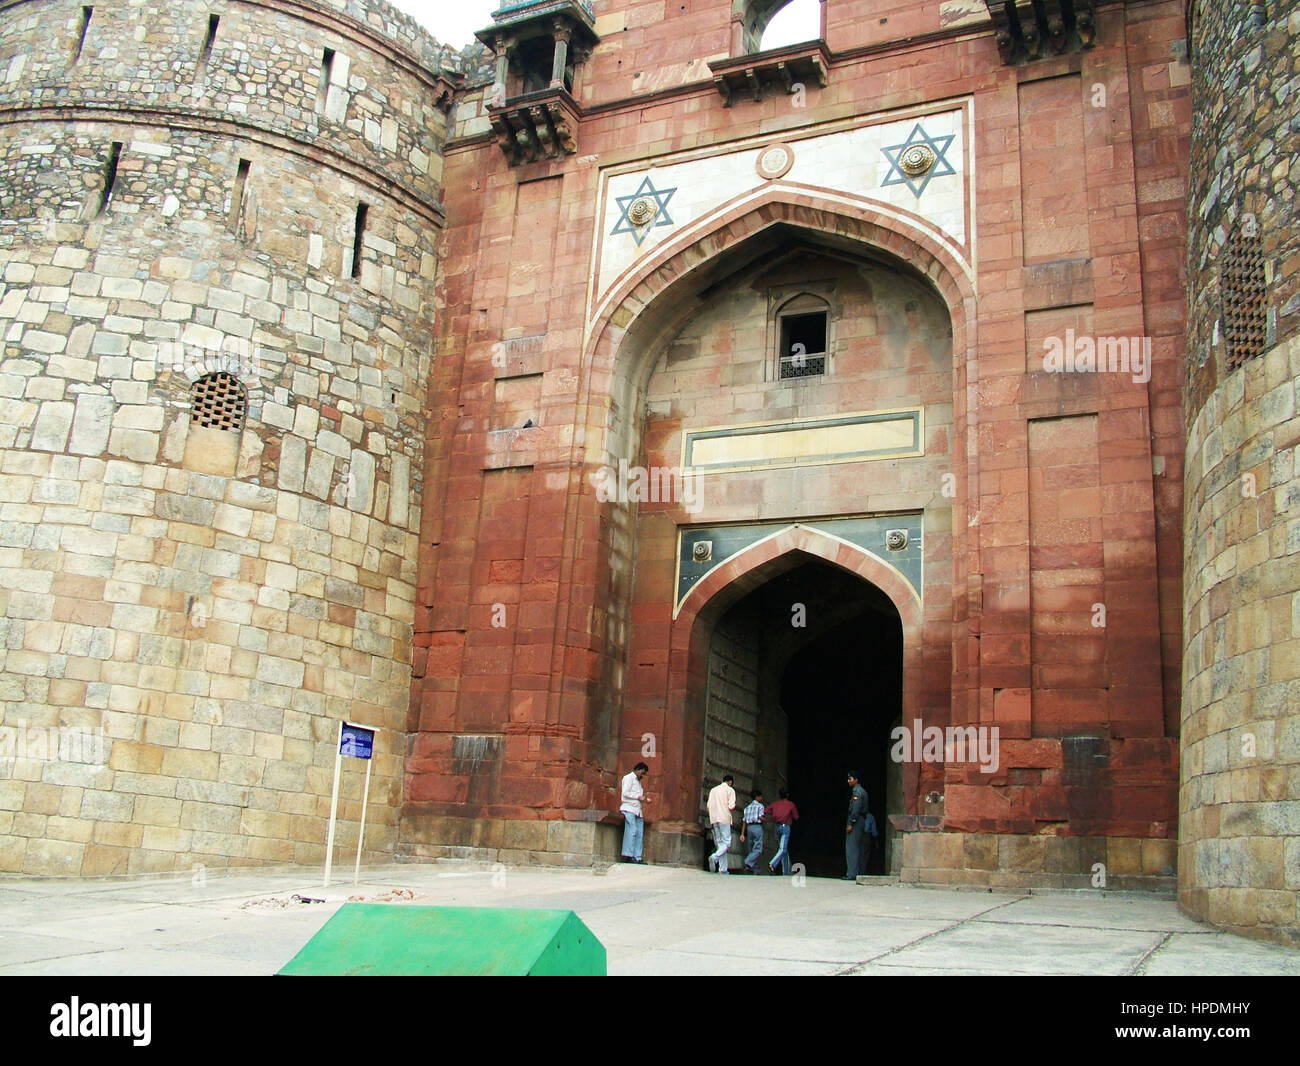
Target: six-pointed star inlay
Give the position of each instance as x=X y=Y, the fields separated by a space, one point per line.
x=938 y=145
x=661 y=217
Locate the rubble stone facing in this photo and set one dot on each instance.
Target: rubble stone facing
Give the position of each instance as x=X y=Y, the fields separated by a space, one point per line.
x=215 y=600
x=380 y=107
x=1239 y=802
x=1243 y=170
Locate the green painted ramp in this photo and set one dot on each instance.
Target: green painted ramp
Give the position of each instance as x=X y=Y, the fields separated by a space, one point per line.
x=378 y=939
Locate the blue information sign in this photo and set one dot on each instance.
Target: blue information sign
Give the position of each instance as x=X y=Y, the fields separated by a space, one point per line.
x=357 y=742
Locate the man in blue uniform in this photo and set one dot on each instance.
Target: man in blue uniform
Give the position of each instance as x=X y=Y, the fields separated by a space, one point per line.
x=855 y=829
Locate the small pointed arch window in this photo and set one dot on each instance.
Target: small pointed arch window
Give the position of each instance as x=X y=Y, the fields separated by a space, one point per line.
x=803 y=326
x=787 y=22
x=218 y=401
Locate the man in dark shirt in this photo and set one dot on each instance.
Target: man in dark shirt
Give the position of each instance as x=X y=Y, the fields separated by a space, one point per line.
x=855 y=828
x=784 y=814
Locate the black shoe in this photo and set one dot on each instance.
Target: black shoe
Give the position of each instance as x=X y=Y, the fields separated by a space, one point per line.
x=846 y=877
x=626 y=858
x=639 y=862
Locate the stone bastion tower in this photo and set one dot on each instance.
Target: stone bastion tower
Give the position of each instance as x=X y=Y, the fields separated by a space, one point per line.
x=218 y=234
x=1239 y=809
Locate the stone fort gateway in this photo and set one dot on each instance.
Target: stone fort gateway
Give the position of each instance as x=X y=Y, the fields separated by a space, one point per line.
x=919 y=398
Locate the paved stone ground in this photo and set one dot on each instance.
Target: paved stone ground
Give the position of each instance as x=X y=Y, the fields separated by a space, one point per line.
x=652 y=920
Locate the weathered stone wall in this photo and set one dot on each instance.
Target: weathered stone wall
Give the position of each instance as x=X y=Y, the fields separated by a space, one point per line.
x=1239 y=846
x=1065 y=488
x=1020 y=861
x=214 y=599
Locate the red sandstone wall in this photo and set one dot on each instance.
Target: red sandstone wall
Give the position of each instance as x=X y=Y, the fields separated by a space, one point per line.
x=1076 y=226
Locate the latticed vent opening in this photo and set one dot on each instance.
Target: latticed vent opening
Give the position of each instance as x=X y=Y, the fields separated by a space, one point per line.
x=808 y=366
x=217 y=401
x=1245 y=308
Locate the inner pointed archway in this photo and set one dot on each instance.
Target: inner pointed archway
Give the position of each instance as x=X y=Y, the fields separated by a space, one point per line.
x=805 y=682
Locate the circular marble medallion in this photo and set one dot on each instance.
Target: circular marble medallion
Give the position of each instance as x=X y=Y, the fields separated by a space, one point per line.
x=775 y=161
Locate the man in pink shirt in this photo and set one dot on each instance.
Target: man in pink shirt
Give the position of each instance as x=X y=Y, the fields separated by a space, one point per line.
x=722 y=801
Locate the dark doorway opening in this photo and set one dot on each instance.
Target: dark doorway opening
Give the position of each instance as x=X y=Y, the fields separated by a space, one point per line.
x=805 y=683
x=842 y=696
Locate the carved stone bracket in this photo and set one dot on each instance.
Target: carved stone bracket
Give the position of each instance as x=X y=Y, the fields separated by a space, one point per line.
x=542 y=124
x=780 y=70
x=537 y=126
x=1026 y=30
x=448 y=84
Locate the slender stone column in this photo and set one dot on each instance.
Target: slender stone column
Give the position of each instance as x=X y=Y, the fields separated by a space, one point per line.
x=562 y=34
x=502 y=47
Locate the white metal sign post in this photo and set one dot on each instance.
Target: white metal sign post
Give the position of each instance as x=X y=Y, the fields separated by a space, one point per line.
x=356 y=742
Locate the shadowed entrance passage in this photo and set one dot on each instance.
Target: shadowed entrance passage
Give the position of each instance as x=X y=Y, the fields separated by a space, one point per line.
x=805 y=682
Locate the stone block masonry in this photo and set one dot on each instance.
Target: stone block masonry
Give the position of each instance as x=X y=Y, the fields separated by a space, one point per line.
x=555 y=623
x=1239 y=799
x=231 y=514
x=213 y=578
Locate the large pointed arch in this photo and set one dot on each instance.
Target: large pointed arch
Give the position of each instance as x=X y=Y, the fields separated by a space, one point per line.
x=649 y=304
x=621 y=347
x=637 y=310
x=725 y=586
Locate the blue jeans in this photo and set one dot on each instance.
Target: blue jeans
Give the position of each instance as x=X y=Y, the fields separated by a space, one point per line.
x=633 y=832
x=722 y=836
x=783 y=850
x=755 y=834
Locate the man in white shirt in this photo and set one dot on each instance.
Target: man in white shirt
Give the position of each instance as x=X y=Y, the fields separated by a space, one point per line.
x=722 y=801
x=633 y=821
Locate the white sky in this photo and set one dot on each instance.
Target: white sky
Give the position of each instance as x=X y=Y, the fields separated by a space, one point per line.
x=453 y=22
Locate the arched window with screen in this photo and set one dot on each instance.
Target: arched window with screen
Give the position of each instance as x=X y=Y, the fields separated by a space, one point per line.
x=802 y=328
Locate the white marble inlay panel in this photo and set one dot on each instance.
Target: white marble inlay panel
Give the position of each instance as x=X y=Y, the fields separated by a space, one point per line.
x=850 y=162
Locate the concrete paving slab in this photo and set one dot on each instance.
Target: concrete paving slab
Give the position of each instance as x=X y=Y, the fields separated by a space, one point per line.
x=777 y=941
x=651 y=919
x=151 y=961
x=906 y=901
x=32 y=912
x=656 y=924
x=560 y=901
x=147 y=927
x=661 y=963
x=869 y=932
x=26 y=948
x=1112 y=912
x=1220 y=954
x=996 y=948
x=239 y=946
x=890 y=968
